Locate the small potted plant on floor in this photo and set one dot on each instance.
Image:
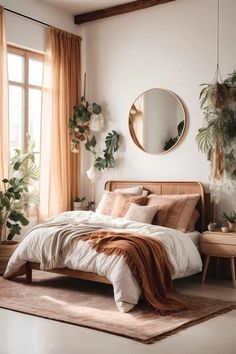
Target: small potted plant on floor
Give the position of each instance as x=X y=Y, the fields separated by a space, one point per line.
x=16 y=198
x=79 y=203
x=231 y=219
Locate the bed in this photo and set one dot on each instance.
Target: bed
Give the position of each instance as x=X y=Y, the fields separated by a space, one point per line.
x=159 y=188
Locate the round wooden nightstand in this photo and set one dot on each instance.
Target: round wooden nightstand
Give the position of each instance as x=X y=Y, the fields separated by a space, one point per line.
x=221 y=245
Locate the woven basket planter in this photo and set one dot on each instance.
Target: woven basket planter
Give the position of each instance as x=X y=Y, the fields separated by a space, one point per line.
x=6 y=250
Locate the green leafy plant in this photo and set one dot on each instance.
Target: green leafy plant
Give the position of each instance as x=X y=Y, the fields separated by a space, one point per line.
x=173 y=140
x=112 y=145
x=230 y=217
x=17 y=198
x=79 y=125
x=217 y=138
x=79 y=128
x=79 y=199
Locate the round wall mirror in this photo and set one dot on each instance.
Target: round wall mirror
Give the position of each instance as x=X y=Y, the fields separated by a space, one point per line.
x=157 y=121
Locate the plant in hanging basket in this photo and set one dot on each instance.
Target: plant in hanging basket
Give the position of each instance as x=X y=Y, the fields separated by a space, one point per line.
x=215 y=95
x=217 y=137
x=88 y=119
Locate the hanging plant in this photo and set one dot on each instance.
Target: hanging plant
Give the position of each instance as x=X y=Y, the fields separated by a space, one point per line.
x=86 y=120
x=112 y=145
x=217 y=138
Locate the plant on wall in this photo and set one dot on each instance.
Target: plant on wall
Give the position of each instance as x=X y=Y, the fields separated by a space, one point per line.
x=87 y=120
x=217 y=138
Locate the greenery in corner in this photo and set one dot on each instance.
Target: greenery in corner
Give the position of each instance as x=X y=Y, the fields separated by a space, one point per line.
x=81 y=130
x=16 y=198
x=231 y=217
x=217 y=138
x=79 y=199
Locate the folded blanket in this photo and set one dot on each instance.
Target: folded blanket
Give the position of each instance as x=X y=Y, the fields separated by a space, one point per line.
x=147 y=261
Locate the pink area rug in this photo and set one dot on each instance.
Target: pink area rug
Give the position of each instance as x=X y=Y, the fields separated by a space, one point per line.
x=92 y=305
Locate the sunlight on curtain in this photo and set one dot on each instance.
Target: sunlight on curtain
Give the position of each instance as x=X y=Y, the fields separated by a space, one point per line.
x=60 y=168
x=4 y=151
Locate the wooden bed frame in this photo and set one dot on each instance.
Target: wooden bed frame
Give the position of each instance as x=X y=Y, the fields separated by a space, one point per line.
x=204 y=207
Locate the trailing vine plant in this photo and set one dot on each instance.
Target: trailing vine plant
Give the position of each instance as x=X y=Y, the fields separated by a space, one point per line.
x=87 y=119
x=217 y=138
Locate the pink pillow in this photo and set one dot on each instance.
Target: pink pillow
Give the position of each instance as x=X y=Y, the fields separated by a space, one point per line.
x=193 y=221
x=174 y=211
x=117 y=204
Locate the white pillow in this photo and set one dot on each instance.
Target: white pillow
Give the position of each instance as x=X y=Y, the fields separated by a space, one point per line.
x=135 y=190
x=145 y=193
x=101 y=203
x=141 y=213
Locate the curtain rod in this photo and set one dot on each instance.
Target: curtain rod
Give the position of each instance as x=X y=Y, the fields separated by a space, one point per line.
x=29 y=18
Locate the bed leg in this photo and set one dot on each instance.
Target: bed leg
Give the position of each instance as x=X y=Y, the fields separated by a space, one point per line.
x=28 y=272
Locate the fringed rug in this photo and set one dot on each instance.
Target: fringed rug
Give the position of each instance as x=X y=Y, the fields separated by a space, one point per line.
x=92 y=305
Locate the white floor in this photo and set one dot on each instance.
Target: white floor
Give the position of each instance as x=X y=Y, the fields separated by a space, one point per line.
x=24 y=334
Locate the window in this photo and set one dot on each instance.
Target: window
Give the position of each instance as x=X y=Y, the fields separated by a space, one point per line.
x=25 y=75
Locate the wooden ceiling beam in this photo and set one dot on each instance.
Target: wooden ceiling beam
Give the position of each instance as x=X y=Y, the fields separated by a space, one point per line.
x=117 y=10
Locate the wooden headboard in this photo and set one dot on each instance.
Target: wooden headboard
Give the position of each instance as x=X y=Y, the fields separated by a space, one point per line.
x=204 y=206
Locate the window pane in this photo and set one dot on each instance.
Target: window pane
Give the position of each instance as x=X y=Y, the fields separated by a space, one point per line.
x=34 y=117
x=15 y=67
x=35 y=72
x=16 y=120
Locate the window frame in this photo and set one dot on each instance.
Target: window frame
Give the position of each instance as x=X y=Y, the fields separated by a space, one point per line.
x=25 y=85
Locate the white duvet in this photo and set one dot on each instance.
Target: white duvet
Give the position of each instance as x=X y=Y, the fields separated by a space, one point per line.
x=38 y=245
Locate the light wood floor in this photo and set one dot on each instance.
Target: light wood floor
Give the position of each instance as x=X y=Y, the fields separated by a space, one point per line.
x=24 y=334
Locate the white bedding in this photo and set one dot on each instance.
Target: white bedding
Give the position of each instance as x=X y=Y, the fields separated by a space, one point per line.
x=195 y=237
x=39 y=243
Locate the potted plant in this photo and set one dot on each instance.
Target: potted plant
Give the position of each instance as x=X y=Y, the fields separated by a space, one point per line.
x=15 y=199
x=231 y=219
x=78 y=203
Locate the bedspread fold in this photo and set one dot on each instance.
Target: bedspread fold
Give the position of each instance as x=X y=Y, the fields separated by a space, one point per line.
x=147 y=261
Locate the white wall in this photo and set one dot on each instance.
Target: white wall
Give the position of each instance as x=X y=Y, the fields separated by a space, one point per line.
x=171 y=46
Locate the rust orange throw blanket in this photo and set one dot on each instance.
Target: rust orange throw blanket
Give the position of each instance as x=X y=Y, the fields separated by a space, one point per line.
x=148 y=263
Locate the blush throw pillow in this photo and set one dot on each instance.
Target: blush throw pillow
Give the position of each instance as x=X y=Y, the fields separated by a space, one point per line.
x=193 y=221
x=117 y=204
x=174 y=211
x=141 y=213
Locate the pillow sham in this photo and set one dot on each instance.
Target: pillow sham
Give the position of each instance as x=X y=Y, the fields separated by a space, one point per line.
x=135 y=190
x=101 y=203
x=141 y=213
x=193 y=221
x=174 y=211
x=117 y=204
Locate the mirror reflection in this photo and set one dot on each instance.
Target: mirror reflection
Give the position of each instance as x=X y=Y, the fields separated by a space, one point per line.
x=157 y=121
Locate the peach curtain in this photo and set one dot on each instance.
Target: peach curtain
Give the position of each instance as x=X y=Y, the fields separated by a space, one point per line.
x=4 y=144
x=59 y=167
